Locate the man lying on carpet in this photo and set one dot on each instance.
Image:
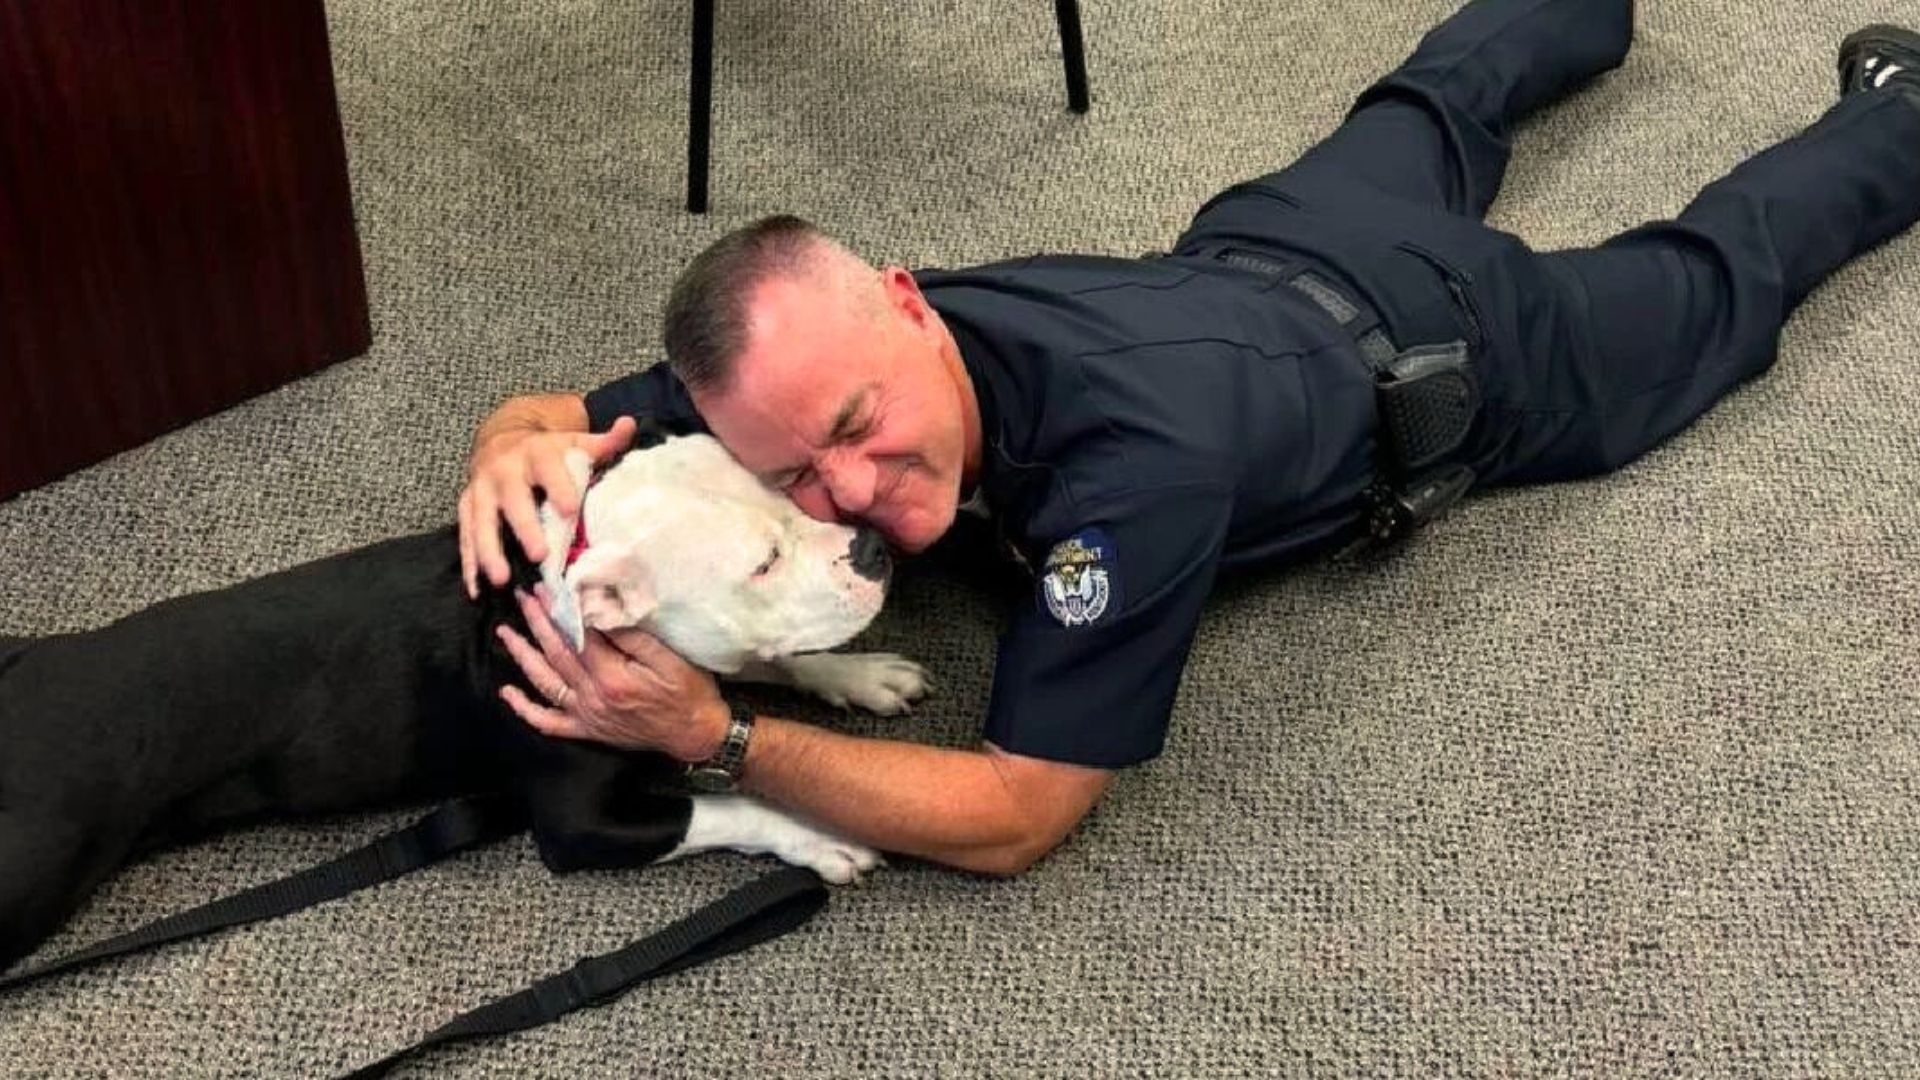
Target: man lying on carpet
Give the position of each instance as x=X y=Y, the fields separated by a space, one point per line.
x=1333 y=351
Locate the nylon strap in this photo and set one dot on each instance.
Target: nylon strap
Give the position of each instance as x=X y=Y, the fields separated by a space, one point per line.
x=458 y=825
x=765 y=908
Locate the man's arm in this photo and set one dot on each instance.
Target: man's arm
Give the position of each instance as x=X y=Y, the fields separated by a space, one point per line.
x=533 y=413
x=653 y=393
x=984 y=810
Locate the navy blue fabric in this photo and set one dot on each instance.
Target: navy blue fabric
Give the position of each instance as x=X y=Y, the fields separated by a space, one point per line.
x=1099 y=694
x=1197 y=416
x=1588 y=358
x=654 y=393
x=1201 y=417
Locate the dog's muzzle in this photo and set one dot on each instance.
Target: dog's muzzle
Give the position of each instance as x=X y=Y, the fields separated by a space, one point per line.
x=868 y=555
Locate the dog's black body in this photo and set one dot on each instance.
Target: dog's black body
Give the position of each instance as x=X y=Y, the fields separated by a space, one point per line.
x=352 y=681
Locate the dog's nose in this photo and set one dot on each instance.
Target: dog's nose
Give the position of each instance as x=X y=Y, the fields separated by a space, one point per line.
x=868 y=554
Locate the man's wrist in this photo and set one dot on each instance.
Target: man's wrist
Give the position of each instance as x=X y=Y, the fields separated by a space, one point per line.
x=710 y=724
x=533 y=414
x=513 y=428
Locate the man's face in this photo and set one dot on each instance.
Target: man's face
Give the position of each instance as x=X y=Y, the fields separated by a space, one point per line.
x=855 y=409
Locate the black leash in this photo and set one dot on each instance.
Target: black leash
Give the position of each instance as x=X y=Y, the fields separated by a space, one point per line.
x=764 y=908
x=761 y=909
x=452 y=828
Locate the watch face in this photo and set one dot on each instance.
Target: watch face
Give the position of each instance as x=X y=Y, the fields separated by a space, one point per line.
x=709 y=779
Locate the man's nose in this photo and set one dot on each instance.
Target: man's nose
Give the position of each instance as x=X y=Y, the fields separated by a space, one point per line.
x=868 y=554
x=849 y=482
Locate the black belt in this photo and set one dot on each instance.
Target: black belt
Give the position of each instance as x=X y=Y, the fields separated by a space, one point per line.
x=1428 y=396
x=764 y=908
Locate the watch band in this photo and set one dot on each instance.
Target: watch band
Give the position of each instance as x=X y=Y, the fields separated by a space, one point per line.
x=721 y=772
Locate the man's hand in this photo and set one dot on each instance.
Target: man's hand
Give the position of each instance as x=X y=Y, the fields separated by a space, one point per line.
x=626 y=689
x=501 y=477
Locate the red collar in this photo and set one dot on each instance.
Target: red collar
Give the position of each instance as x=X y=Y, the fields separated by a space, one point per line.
x=580 y=525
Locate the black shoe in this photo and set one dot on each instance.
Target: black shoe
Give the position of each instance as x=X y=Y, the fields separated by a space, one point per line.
x=1877 y=56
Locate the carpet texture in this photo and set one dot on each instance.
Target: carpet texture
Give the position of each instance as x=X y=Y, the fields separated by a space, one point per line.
x=1612 y=779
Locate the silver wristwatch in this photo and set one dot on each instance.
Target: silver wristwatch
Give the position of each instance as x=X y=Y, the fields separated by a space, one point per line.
x=721 y=772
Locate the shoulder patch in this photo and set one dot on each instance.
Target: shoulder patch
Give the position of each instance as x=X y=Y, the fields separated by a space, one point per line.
x=1080 y=581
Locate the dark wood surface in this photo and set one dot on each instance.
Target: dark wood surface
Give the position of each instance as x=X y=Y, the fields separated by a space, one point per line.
x=176 y=227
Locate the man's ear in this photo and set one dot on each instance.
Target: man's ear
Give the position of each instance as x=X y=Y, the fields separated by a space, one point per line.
x=614 y=589
x=903 y=293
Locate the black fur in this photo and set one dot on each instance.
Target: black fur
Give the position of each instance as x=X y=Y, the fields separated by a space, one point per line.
x=363 y=679
x=647 y=434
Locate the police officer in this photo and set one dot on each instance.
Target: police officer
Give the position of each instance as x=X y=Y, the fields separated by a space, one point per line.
x=1332 y=352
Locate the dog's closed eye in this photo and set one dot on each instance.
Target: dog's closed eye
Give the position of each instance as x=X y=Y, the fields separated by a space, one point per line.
x=772 y=557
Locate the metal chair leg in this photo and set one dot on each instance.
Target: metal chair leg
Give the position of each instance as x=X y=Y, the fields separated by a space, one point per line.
x=700 y=107
x=1074 y=49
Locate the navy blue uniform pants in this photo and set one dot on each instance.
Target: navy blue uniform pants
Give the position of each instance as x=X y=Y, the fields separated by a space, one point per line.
x=1588 y=357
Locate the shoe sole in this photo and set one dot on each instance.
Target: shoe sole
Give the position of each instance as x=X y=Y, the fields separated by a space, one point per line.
x=1886 y=34
x=1883 y=37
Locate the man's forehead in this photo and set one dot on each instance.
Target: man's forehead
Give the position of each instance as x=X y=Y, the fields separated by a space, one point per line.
x=794 y=311
x=774 y=422
x=808 y=389
x=809 y=364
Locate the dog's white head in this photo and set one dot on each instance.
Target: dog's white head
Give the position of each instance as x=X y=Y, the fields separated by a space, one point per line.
x=683 y=542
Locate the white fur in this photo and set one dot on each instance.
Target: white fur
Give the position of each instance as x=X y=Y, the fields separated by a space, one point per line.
x=885 y=684
x=563 y=607
x=675 y=534
x=741 y=823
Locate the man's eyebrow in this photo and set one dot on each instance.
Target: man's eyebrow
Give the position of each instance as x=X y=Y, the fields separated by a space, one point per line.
x=843 y=420
x=842 y=427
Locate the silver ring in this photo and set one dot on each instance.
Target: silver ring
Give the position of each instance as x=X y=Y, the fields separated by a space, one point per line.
x=564 y=695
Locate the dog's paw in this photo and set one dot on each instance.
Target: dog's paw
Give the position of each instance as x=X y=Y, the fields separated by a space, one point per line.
x=745 y=824
x=882 y=683
x=839 y=861
x=835 y=858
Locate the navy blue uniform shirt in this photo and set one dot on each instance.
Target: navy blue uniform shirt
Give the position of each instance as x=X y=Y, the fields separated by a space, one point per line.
x=1147 y=424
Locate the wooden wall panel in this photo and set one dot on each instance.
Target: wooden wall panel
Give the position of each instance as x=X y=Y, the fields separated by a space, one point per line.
x=176 y=227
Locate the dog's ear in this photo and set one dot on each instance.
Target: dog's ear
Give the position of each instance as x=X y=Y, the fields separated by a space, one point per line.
x=648 y=433
x=614 y=589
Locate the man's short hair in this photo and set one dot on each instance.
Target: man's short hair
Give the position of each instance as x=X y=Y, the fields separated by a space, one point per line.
x=706 y=318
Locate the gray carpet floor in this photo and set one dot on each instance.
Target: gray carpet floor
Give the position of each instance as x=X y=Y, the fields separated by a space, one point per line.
x=1619 y=778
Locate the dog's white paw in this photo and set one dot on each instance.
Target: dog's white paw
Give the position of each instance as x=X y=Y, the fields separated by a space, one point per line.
x=746 y=824
x=839 y=861
x=883 y=683
x=835 y=858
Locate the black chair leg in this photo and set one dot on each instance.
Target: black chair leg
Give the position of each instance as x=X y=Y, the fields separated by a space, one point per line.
x=1074 y=49
x=700 y=107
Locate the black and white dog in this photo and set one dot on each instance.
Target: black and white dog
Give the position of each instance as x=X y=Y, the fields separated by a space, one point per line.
x=369 y=678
